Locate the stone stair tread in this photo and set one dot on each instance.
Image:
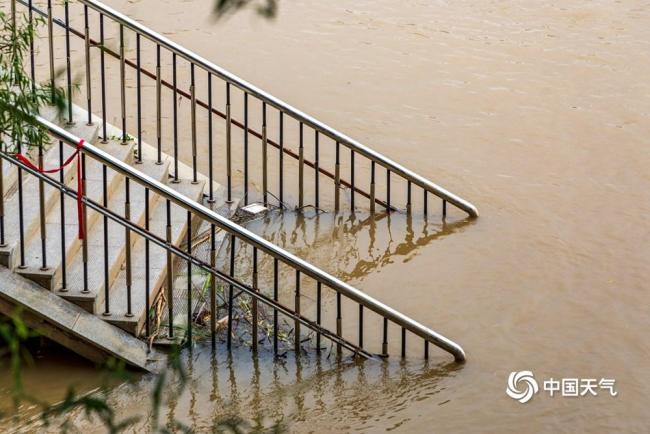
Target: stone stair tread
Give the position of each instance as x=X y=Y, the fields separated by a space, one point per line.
x=94 y=191
x=31 y=206
x=157 y=263
x=116 y=241
x=90 y=133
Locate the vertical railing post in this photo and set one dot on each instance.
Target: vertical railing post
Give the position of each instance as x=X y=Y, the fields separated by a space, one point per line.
x=103 y=78
x=21 y=214
x=316 y=171
x=339 y=319
x=41 y=203
x=211 y=198
x=147 y=272
x=337 y=178
x=265 y=175
x=408 y=197
x=230 y=289
x=384 y=342
x=281 y=160
x=387 y=190
x=296 y=325
x=372 y=187
x=170 y=277
x=127 y=236
x=352 y=179
x=107 y=282
x=254 y=302
x=158 y=108
x=138 y=95
x=67 y=62
x=228 y=144
x=425 y=204
x=88 y=79
x=360 y=326
x=301 y=168
x=32 y=62
x=50 y=44
x=175 y=114
x=319 y=300
x=84 y=241
x=245 y=148
x=13 y=16
x=123 y=85
x=193 y=121
x=189 y=279
x=3 y=242
x=275 y=311
x=64 y=274
x=213 y=286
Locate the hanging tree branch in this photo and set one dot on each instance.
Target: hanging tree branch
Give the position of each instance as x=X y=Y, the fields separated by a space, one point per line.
x=20 y=97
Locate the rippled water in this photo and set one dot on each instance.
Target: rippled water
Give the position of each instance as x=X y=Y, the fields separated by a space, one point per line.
x=536 y=111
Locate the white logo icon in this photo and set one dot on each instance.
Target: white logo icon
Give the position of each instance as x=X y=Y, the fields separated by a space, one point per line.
x=528 y=383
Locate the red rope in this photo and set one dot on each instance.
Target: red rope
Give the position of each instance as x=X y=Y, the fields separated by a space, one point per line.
x=80 y=185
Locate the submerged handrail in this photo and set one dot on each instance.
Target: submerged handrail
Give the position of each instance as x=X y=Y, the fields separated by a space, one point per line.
x=276 y=252
x=300 y=116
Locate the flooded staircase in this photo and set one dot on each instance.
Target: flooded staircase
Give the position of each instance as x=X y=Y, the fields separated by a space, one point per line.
x=41 y=234
x=144 y=210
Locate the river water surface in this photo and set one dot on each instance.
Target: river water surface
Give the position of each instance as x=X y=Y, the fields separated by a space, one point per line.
x=536 y=111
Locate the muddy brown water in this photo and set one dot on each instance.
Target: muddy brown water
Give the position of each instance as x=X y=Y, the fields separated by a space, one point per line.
x=536 y=111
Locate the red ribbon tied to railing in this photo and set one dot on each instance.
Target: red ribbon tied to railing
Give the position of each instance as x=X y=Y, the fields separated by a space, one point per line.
x=80 y=186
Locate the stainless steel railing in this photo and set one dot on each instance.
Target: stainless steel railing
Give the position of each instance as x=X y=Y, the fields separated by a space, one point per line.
x=324 y=281
x=285 y=111
x=344 y=293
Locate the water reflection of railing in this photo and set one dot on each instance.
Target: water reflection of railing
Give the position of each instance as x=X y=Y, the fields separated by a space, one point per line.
x=267 y=391
x=352 y=246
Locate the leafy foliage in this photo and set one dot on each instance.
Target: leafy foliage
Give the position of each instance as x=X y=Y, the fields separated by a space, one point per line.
x=20 y=97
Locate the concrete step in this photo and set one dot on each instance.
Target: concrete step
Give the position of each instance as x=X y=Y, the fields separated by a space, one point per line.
x=10 y=170
x=92 y=300
x=157 y=262
x=50 y=276
x=71 y=326
x=90 y=133
x=9 y=253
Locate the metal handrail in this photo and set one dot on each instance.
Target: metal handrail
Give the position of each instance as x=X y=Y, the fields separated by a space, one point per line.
x=276 y=252
x=300 y=116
